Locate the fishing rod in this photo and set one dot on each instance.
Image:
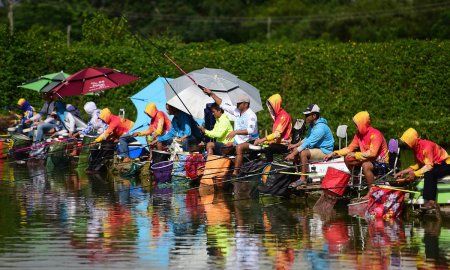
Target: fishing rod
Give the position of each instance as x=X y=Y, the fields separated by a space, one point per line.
x=155 y=64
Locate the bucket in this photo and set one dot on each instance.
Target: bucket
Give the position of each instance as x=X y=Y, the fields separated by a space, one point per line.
x=158 y=156
x=335 y=181
x=162 y=171
x=135 y=150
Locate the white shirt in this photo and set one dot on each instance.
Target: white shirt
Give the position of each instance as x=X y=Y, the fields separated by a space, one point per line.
x=247 y=121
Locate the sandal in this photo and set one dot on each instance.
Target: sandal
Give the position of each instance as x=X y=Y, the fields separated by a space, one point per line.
x=297 y=183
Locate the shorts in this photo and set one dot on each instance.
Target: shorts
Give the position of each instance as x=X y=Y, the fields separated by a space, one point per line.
x=380 y=168
x=219 y=149
x=316 y=154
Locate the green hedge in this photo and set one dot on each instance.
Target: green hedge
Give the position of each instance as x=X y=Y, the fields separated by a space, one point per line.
x=401 y=83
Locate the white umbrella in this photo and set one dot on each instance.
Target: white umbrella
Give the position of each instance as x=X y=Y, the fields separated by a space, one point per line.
x=224 y=84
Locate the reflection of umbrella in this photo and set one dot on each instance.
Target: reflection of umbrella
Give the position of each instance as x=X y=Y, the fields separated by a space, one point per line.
x=45 y=83
x=92 y=80
x=153 y=92
x=224 y=84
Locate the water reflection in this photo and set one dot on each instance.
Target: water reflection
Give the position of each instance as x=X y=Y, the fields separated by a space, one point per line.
x=70 y=219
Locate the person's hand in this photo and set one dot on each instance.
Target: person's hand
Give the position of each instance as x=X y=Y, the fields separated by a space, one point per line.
x=290 y=157
x=154 y=142
x=231 y=135
x=329 y=156
x=76 y=135
x=291 y=146
x=351 y=154
x=180 y=140
x=202 y=129
x=411 y=176
x=135 y=134
x=207 y=91
x=398 y=175
x=258 y=141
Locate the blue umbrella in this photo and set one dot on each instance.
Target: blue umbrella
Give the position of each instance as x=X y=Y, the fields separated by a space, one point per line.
x=155 y=93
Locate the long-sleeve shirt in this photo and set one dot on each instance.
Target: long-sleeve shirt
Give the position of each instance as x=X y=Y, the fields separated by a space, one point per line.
x=45 y=111
x=71 y=123
x=116 y=128
x=221 y=129
x=372 y=145
x=246 y=121
x=319 y=136
x=427 y=154
x=27 y=115
x=182 y=126
x=95 y=124
x=159 y=125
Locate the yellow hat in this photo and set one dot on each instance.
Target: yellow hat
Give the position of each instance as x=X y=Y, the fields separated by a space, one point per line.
x=105 y=115
x=21 y=101
x=362 y=121
x=410 y=137
x=151 y=110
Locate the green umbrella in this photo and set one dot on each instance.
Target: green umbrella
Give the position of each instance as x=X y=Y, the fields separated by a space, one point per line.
x=45 y=83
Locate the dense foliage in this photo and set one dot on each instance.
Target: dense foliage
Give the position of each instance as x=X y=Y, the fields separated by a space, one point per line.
x=401 y=83
x=245 y=20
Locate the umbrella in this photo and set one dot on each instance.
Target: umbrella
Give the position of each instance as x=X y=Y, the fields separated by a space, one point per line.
x=224 y=84
x=45 y=83
x=91 y=80
x=154 y=92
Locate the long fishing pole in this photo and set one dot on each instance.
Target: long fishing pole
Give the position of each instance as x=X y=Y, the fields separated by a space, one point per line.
x=156 y=65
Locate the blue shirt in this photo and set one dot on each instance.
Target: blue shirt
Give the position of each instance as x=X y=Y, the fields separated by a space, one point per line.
x=319 y=136
x=183 y=125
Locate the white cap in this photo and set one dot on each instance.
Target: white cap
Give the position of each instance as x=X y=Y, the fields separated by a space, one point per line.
x=243 y=98
x=312 y=108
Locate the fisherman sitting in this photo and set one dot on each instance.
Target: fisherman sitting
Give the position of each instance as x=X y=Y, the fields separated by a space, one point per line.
x=95 y=125
x=373 y=155
x=281 y=130
x=219 y=133
x=159 y=125
x=432 y=162
x=245 y=126
x=183 y=130
x=27 y=113
x=318 y=143
x=45 y=113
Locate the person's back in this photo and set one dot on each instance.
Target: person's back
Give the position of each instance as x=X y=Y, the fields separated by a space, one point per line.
x=117 y=126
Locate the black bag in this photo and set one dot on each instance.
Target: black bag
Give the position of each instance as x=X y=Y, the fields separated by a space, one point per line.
x=98 y=157
x=277 y=184
x=249 y=177
x=298 y=131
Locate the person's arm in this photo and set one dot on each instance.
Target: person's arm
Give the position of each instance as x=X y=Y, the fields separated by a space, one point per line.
x=210 y=93
x=375 y=144
x=108 y=131
x=428 y=163
x=39 y=114
x=350 y=148
x=186 y=129
x=89 y=127
x=70 y=122
x=314 y=137
x=282 y=124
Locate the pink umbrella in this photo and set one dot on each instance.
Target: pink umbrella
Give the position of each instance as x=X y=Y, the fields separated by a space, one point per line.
x=91 y=80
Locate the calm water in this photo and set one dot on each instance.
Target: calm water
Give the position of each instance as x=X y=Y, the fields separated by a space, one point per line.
x=58 y=219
